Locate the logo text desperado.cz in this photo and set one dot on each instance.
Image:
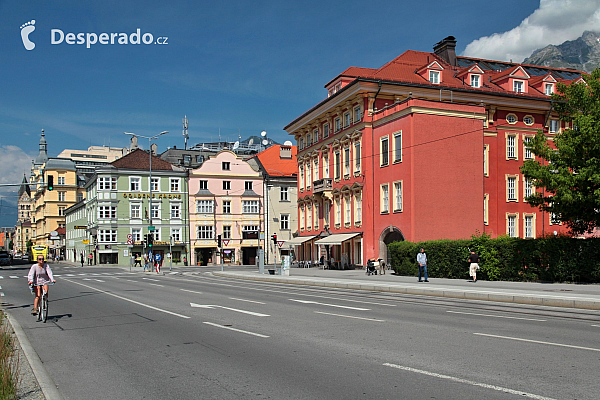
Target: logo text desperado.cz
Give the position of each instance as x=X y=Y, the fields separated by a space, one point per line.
x=57 y=36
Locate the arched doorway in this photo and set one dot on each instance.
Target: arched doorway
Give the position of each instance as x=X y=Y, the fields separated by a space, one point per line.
x=389 y=235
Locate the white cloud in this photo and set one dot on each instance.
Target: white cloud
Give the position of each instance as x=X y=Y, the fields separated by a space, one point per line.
x=15 y=163
x=554 y=22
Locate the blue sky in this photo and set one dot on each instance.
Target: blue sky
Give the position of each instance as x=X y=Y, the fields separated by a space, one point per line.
x=237 y=66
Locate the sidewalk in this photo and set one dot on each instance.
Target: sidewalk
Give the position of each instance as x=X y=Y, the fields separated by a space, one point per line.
x=544 y=294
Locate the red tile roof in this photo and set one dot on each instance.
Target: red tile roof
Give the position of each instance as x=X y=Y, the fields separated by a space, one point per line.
x=138 y=159
x=275 y=165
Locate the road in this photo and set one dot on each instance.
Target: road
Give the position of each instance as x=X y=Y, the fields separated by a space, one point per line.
x=120 y=335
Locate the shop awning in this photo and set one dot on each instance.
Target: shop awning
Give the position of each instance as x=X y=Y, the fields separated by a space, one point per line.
x=297 y=241
x=336 y=239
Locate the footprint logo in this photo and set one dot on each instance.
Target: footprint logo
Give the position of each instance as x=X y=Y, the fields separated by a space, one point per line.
x=26 y=29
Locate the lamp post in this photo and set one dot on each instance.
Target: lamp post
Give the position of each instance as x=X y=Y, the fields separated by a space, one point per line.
x=150 y=173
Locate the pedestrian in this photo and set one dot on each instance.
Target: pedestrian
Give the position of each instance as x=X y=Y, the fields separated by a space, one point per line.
x=474 y=265
x=138 y=260
x=422 y=261
x=145 y=262
x=81 y=258
x=90 y=257
x=381 y=266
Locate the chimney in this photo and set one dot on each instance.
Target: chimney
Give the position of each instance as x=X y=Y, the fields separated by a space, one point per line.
x=446 y=49
x=285 y=152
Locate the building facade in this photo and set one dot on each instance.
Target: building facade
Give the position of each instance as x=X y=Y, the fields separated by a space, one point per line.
x=426 y=147
x=225 y=198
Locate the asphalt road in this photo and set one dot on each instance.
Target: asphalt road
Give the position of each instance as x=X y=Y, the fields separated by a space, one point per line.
x=112 y=334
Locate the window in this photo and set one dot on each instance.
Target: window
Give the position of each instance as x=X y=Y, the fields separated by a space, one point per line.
x=346 y=120
x=79 y=197
x=398 y=147
x=338 y=166
x=226 y=231
x=548 y=89
x=61 y=211
x=529 y=232
x=226 y=206
x=203 y=185
x=315 y=135
x=250 y=206
x=357 y=114
x=176 y=211
x=486 y=165
x=325 y=167
x=384 y=147
x=385 y=199
x=204 y=232
x=554 y=126
x=250 y=232
x=284 y=222
x=309 y=212
x=155 y=211
x=308 y=140
x=511 y=225
x=316 y=216
x=155 y=235
x=397 y=196
x=528 y=120
x=511 y=188
x=176 y=234
x=134 y=210
x=308 y=175
x=136 y=234
x=348 y=207
x=301 y=143
x=248 y=185
x=347 y=161
x=338 y=210
x=199 y=158
x=154 y=183
x=134 y=184
x=527 y=187
x=316 y=169
x=527 y=153
x=357 y=156
x=486 y=200
x=61 y=180
x=475 y=81
x=226 y=185
x=301 y=218
x=511 y=119
x=226 y=166
x=107 y=183
x=62 y=196
x=301 y=169
x=358 y=203
x=434 y=77
x=187 y=159
x=554 y=219
x=518 y=86
x=338 y=124
x=107 y=235
x=174 y=184
x=204 y=206
x=283 y=193
x=326 y=210
x=326 y=129
x=510 y=146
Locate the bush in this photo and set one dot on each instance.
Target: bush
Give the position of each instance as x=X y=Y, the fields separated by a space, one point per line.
x=9 y=361
x=554 y=259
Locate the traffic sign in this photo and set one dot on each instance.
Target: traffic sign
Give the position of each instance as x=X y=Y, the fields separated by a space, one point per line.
x=225 y=242
x=151 y=228
x=79 y=227
x=280 y=242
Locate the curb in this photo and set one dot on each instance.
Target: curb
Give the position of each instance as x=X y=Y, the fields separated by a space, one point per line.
x=46 y=383
x=503 y=297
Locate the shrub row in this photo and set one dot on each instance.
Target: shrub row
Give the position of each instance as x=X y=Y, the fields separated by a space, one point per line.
x=554 y=259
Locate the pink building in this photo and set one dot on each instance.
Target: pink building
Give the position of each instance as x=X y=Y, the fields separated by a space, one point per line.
x=225 y=199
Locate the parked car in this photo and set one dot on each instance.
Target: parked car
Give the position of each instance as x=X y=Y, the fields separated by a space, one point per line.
x=5 y=259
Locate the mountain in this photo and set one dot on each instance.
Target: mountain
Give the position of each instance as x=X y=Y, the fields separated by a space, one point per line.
x=582 y=54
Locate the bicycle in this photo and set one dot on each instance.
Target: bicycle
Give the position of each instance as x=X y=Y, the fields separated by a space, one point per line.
x=42 y=311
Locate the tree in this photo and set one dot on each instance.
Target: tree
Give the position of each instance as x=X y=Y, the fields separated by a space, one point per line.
x=569 y=169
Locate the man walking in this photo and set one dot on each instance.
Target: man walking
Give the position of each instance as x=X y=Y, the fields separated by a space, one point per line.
x=81 y=259
x=474 y=265
x=422 y=261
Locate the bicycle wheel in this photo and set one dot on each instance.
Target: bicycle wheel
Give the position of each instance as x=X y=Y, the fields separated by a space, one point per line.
x=39 y=310
x=45 y=309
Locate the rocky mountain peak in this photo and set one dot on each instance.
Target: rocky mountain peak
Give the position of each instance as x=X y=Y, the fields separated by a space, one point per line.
x=582 y=54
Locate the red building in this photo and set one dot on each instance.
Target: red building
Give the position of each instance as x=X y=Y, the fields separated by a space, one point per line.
x=426 y=147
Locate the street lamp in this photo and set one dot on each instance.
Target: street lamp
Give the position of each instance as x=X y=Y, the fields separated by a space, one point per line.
x=150 y=170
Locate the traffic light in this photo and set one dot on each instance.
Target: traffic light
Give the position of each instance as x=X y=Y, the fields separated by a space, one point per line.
x=50 y=182
x=149 y=239
x=218 y=240
x=274 y=237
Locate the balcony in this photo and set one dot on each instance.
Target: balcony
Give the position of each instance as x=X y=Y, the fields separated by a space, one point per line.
x=322 y=185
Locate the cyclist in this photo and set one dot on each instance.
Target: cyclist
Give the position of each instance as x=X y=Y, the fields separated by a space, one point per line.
x=39 y=275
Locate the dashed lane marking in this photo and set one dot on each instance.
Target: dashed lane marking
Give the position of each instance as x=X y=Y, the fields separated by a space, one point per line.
x=495 y=316
x=350 y=316
x=236 y=330
x=538 y=342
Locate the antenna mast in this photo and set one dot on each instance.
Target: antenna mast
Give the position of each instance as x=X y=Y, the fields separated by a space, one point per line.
x=185 y=132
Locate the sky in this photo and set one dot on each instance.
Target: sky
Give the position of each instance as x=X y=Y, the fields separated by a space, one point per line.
x=233 y=67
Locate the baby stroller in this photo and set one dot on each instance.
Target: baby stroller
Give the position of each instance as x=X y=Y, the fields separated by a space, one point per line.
x=371 y=268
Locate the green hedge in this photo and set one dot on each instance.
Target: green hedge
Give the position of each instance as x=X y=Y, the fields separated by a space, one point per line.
x=554 y=259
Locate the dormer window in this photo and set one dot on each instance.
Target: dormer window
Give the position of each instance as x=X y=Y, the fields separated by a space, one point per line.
x=434 y=77
x=548 y=89
x=475 y=81
x=518 y=86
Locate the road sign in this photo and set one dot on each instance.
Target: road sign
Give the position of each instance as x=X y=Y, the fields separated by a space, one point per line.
x=151 y=228
x=129 y=238
x=280 y=243
x=225 y=242
x=85 y=241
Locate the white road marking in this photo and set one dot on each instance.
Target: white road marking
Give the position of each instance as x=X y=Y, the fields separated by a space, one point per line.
x=1 y=277
x=538 y=341
x=228 y=308
x=155 y=284
x=70 y=275
x=329 y=305
x=150 y=279
x=191 y=291
x=597 y=326
x=468 y=382
x=350 y=316
x=129 y=300
x=496 y=316
x=248 y=301
x=2 y=294
x=13 y=277
x=236 y=330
